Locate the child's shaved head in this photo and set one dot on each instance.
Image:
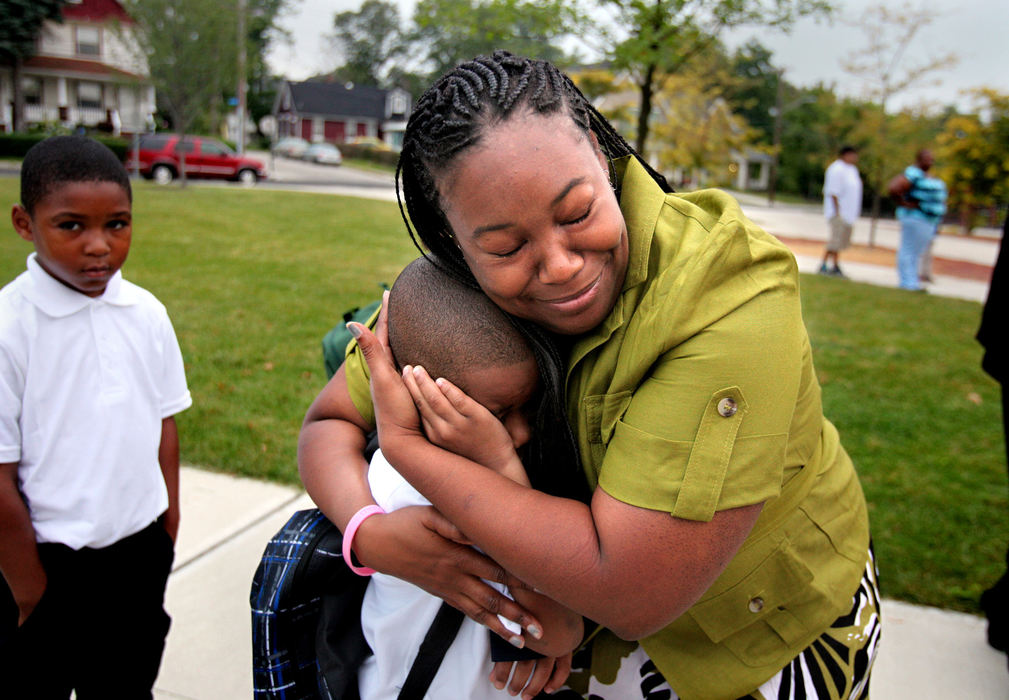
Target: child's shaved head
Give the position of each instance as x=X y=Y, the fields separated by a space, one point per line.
x=448 y=327
x=62 y=159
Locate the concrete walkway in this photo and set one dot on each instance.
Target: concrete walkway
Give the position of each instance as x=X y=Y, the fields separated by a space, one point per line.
x=226 y=521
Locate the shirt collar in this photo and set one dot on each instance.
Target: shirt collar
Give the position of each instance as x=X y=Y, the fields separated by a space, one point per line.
x=56 y=299
x=641 y=201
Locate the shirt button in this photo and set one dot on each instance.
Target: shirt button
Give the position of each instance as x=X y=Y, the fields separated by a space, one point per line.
x=756 y=604
x=727 y=407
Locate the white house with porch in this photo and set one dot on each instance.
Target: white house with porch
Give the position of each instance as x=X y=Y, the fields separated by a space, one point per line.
x=87 y=71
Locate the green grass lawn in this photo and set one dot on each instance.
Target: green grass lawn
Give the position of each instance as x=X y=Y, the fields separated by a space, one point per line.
x=253 y=279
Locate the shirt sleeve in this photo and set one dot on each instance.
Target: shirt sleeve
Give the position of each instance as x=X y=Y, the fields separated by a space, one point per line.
x=175 y=396
x=833 y=182
x=11 y=392
x=708 y=428
x=359 y=379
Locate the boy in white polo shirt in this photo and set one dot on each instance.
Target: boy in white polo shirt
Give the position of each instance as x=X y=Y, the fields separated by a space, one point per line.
x=90 y=377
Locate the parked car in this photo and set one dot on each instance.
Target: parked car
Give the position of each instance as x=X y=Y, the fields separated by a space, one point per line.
x=160 y=159
x=324 y=153
x=290 y=146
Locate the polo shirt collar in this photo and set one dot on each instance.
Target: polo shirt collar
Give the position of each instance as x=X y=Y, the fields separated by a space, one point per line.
x=56 y=299
x=641 y=201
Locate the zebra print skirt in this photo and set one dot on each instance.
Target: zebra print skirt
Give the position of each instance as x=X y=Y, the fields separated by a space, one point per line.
x=836 y=666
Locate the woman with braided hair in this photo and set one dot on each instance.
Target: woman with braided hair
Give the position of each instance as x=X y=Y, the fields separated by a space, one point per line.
x=725 y=550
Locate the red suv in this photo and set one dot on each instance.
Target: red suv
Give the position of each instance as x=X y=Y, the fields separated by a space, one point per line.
x=160 y=159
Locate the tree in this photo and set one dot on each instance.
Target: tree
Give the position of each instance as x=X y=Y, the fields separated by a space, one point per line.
x=880 y=63
x=665 y=35
x=21 y=25
x=972 y=156
x=191 y=48
x=452 y=31
x=369 y=42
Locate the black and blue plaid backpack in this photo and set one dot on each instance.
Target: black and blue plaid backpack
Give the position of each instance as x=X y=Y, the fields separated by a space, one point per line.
x=306 y=614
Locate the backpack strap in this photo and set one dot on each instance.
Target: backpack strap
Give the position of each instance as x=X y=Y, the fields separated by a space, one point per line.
x=432 y=651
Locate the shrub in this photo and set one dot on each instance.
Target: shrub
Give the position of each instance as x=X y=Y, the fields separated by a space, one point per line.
x=16 y=145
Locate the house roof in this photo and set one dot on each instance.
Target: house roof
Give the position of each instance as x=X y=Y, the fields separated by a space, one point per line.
x=96 y=11
x=330 y=98
x=77 y=65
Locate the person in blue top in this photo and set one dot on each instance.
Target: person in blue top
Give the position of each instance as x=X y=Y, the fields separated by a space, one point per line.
x=921 y=204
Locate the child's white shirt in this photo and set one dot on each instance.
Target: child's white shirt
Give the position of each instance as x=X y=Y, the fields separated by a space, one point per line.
x=396 y=615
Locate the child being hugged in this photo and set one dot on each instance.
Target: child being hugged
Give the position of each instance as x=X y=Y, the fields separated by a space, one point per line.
x=91 y=376
x=455 y=331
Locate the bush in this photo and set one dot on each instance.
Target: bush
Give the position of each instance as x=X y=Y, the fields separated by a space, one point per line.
x=365 y=152
x=16 y=145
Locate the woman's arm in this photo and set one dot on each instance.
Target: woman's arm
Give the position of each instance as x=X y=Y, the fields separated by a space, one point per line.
x=632 y=569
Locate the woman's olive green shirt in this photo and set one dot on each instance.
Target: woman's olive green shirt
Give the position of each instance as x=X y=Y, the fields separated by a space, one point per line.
x=695 y=395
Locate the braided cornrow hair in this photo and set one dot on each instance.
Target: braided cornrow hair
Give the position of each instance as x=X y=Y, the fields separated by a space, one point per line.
x=452 y=116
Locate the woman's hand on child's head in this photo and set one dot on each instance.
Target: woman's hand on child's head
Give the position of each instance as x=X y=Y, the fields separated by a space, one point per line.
x=531 y=677
x=454 y=421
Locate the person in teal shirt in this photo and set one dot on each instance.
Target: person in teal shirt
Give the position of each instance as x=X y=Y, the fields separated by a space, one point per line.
x=725 y=551
x=921 y=201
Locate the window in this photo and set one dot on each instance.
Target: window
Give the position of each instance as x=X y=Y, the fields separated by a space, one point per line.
x=31 y=89
x=398 y=103
x=88 y=41
x=214 y=148
x=89 y=95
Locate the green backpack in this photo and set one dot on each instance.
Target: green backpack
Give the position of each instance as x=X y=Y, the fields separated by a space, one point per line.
x=335 y=342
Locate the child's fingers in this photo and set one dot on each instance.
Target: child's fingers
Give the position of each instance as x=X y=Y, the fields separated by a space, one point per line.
x=538 y=680
x=460 y=401
x=499 y=674
x=559 y=673
x=520 y=676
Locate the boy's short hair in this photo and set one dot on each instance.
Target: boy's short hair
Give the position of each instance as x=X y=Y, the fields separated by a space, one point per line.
x=62 y=159
x=448 y=327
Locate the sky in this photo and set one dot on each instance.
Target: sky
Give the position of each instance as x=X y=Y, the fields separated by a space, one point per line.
x=977 y=31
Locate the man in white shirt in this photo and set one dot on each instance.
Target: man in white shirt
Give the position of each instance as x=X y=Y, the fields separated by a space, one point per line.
x=842 y=203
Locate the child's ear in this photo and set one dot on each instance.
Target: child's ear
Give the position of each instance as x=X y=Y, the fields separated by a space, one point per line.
x=22 y=221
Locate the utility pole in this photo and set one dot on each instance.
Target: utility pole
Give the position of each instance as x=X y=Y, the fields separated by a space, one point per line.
x=772 y=183
x=241 y=77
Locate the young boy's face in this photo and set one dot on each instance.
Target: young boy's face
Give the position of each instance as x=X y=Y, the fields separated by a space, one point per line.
x=504 y=391
x=81 y=232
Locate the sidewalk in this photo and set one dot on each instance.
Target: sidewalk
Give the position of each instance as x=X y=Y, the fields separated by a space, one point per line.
x=226 y=521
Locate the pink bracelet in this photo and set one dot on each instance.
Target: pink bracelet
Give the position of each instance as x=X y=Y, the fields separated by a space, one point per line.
x=348 y=538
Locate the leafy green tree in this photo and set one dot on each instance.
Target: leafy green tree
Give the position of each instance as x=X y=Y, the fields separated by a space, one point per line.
x=663 y=36
x=753 y=92
x=972 y=156
x=191 y=47
x=880 y=64
x=369 y=42
x=449 y=32
x=22 y=22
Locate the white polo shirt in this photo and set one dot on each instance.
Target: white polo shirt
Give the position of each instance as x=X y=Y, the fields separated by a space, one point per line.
x=842 y=181
x=84 y=385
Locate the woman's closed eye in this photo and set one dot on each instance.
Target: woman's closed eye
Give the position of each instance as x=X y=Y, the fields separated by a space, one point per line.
x=581 y=218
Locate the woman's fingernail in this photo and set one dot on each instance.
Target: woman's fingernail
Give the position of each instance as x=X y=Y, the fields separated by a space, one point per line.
x=535 y=631
x=355 y=329
x=499 y=685
x=516 y=641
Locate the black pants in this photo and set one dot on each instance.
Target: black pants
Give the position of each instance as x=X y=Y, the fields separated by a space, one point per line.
x=100 y=627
